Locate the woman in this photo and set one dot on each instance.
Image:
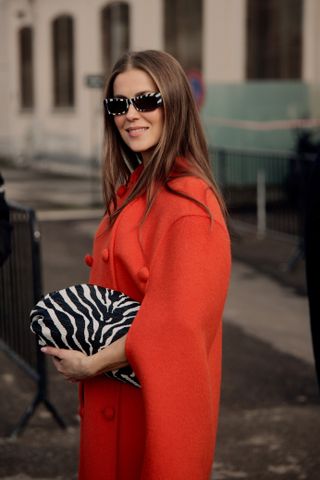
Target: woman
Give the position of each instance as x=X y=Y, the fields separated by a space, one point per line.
x=163 y=242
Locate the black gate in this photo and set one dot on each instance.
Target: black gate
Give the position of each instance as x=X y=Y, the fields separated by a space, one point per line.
x=20 y=289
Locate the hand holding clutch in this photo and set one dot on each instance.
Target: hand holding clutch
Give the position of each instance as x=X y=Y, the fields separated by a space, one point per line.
x=86 y=318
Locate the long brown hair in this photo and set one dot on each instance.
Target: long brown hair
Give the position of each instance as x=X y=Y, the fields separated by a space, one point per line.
x=182 y=135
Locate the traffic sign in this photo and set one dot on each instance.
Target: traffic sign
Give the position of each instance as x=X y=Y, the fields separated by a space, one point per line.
x=197 y=85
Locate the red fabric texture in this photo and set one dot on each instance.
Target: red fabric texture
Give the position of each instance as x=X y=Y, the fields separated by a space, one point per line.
x=177 y=264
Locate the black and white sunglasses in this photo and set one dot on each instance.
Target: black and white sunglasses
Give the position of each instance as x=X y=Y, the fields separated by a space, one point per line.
x=143 y=103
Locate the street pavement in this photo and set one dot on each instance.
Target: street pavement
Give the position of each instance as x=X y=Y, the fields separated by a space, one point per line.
x=269 y=421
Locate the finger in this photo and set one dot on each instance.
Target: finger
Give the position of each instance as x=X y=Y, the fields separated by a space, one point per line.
x=55 y=352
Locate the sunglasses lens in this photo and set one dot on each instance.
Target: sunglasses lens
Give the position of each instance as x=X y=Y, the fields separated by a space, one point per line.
x=143 y=103
x=117 y=106
x=147 y=102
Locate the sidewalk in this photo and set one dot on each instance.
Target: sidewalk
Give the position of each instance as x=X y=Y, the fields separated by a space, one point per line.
x=269 y=422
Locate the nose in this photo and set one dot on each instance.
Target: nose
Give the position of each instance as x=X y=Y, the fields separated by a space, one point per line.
x=132 y=112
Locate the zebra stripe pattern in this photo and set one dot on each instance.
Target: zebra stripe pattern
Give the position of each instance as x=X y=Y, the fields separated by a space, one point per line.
x=86 y=318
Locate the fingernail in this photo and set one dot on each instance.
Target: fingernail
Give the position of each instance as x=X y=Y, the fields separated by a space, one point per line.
x=43 y=349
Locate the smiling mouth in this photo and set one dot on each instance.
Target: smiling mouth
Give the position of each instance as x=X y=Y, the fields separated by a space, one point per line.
x=136 y=131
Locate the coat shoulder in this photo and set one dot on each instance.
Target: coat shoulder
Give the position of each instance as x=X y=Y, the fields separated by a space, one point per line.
x=186 y=196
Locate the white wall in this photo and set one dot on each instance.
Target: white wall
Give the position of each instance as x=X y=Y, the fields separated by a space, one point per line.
x=147 y=24
x=311 y=41
x=77 y=132
x=46 y=130
x=13 y=133
x=224 y=40
x=64 y=130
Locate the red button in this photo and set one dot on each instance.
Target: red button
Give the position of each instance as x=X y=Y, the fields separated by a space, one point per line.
x=89 y=260
x=143 y=274
x=109 y=413
x=105 y=254
x=121 y=191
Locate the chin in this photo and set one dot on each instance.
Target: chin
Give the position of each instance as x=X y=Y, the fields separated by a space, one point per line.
x=141 y=148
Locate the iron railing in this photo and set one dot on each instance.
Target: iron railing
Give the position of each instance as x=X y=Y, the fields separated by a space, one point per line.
x=20 y=289
x=262 y=189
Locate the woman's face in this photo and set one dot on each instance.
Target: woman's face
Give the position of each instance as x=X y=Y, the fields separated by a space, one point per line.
x=141 y=131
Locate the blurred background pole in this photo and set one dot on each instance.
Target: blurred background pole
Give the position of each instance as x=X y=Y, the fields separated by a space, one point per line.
x=261 y=204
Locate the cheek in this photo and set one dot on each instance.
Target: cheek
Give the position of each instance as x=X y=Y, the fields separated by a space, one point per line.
x=118 y=121
x=158 y=120
x=119 y=124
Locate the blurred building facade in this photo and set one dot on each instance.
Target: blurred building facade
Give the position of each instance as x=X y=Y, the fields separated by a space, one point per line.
x=249 y=61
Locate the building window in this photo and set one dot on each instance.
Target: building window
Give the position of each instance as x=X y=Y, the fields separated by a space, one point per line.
x=183 y=32
x=115 y=29
x=26 y=67
x=274 y=39
x=63 y=61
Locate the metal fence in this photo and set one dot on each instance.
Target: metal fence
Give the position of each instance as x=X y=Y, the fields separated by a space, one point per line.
x=262 y=189
x=20 y=289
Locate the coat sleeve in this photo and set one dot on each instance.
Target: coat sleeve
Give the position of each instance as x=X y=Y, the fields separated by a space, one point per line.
x=170 y=348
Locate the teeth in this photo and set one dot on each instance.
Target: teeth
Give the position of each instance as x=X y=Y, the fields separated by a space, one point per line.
x=137 y=129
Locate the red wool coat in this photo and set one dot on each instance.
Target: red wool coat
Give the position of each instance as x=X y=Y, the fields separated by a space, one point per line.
x=177 y=265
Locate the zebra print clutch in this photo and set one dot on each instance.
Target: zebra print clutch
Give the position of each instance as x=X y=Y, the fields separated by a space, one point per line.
x=85 y=318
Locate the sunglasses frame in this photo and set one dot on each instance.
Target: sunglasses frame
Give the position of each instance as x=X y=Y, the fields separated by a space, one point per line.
x=132 y=101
